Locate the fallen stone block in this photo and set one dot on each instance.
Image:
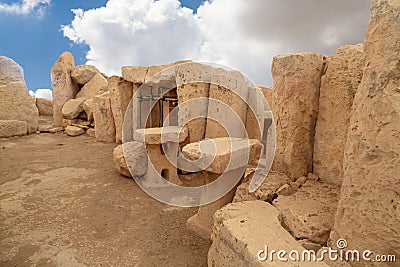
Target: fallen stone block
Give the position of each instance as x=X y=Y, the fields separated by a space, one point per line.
x=268 y=190
x=72 y=108
x=309 y=213
x=74 y=131
x=45 y=128
x=245 y=233
x=136 y=155
x=96 y=86
x=82 y=74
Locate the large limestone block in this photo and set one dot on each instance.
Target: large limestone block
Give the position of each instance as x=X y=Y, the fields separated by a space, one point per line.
x=153 y=71
x=103 y=118
x=120 y=163
x=223 y=154
x=17 y=104
x=45 y=106
x=96 y=86
x=156 y=136
x=193 y=81
x=241 y=230
x=231 y=89
x=63 y=87
x=296 y=90
x=309 y=213
x=134 y=74
x=343 y=75
x=10 y=128
x=74 y=131
x=369 y=208
x=10 y=71
x=72 y=108
x=84 y=73
x=136 y=156
x=121 y=94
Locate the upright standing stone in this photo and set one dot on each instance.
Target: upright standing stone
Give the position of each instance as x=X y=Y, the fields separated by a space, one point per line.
x=193 y=81
x=103 y=118
x=296 y=90
x=338 y=87
x=121 y=93
x=368 y=216
x=64 y=88
x=17 y=104
x=15 y=101
x=10 y=71
x=231 y=89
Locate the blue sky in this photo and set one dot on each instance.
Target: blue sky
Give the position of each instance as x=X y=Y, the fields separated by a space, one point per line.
x=242 y=34
x=35 y=43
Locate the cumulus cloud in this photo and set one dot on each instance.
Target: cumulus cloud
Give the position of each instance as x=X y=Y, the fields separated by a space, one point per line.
x=239 y=33
x=36 y=7
x=41 y=93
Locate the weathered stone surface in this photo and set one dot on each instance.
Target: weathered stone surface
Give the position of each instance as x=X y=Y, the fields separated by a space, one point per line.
x=72 y=108
x=10 y=128
x=88 y=108
x=44 y=106
x=155 y=136
x=312 y=177
x=309 y=213
x=343 y=75
x=230 y=153
x=83 y=73
x=229 y=88
x=91 y=132
x=241 y=230
x=74 y=131
x=10 y=71
x=134 y=74
x=121 y=94
x=45 y=128
x=120 y=163
x=266 y=192
x=103 y=117
x=136 y=155
x=193 y=81
x=63 y=87
x=369 y=209
x=17 y=104
x=56 y=129
x=96 y=86
x=296 y=90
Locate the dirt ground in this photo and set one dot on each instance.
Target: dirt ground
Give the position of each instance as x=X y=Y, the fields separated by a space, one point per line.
x=62 y=203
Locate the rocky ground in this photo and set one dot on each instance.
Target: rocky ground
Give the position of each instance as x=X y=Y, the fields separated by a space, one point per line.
x=62 y=203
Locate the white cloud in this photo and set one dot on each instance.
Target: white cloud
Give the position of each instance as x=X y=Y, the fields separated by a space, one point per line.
x=41 y=93
x=242 y=34
x=36 y=7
